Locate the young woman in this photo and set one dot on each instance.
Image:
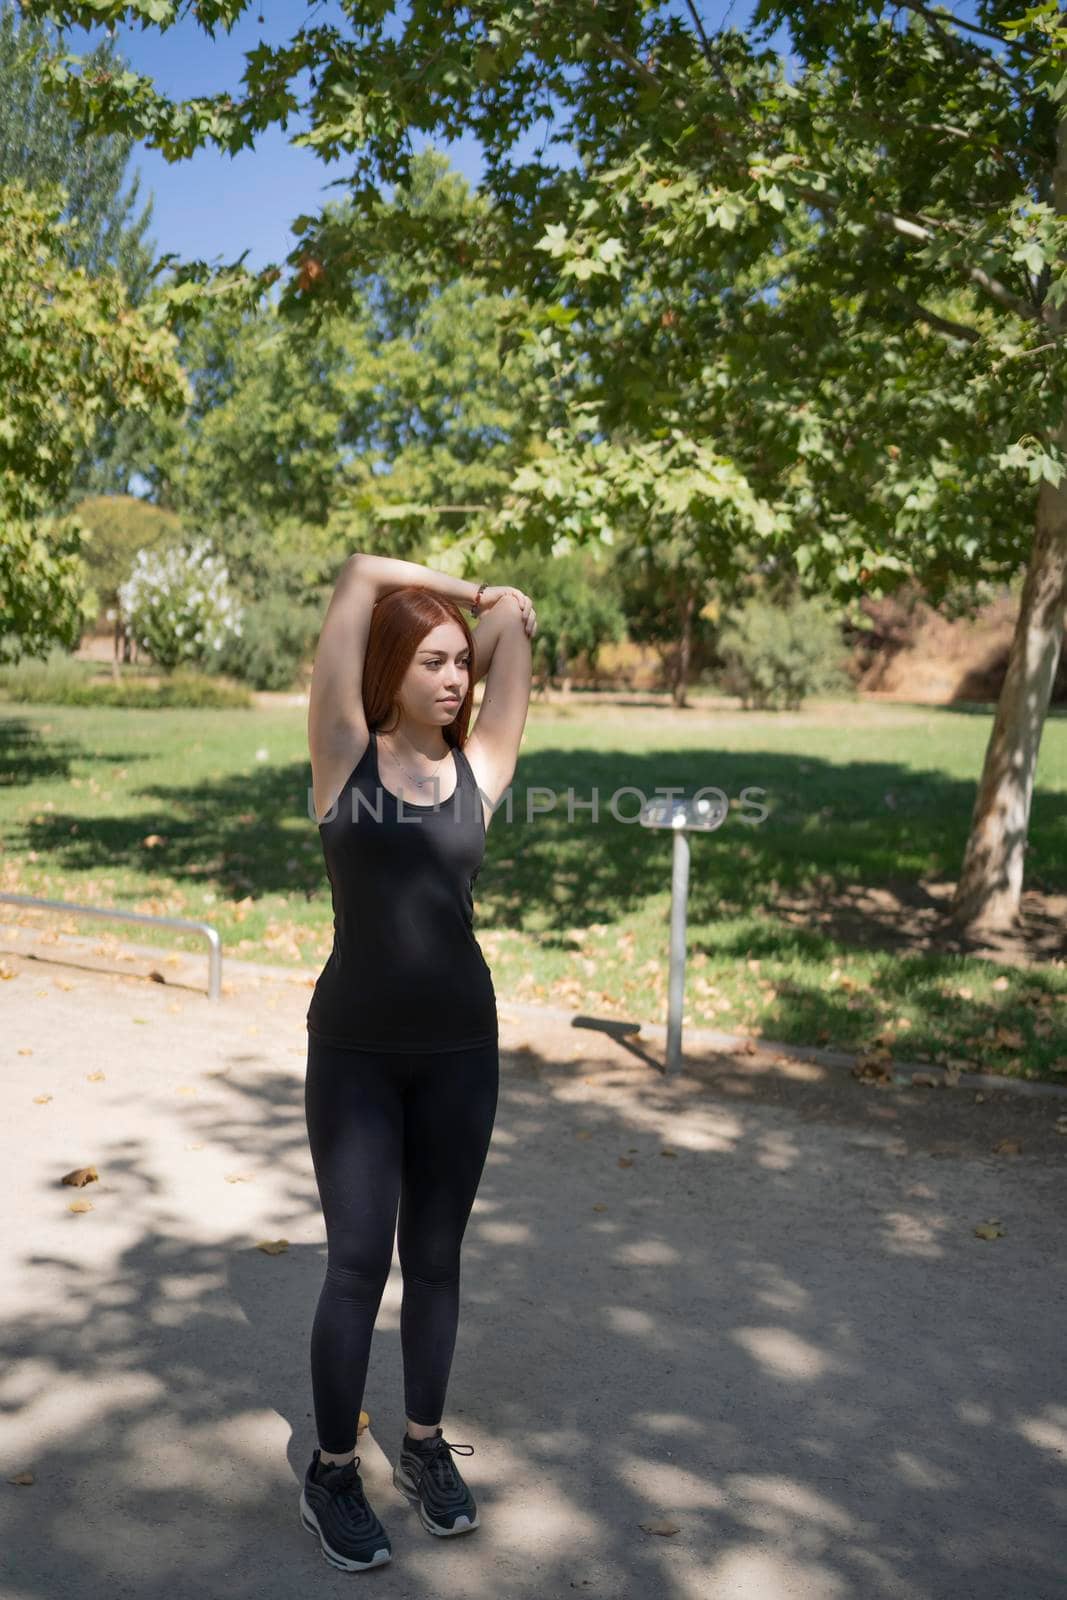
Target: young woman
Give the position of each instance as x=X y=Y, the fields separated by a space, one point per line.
x=402 y=1065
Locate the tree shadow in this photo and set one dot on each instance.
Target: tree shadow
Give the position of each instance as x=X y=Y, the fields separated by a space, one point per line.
x=27 y=757
x=784 y=1351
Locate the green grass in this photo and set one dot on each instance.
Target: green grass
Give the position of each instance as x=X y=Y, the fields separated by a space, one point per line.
x=206 y=814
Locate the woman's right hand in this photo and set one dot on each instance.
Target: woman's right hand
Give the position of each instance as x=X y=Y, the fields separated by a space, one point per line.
x=491 y=595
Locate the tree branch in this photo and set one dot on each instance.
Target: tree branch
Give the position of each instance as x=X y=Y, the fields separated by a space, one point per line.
x=919 y=232
x=973 y=27
x=1022 y=355
x=969 y=135
x=710 y=56
x=969 y=52
x=945 y=325
x=922 y=234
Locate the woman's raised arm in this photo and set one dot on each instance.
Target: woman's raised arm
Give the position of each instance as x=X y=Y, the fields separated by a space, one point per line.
x=390 y=572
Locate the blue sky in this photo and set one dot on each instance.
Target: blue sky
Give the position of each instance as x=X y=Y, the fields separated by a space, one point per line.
x=214 y=206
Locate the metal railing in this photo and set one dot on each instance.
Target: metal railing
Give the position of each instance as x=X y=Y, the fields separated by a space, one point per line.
x=210 y=933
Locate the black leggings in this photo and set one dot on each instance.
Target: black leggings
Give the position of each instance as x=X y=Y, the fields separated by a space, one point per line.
x=387 y=1129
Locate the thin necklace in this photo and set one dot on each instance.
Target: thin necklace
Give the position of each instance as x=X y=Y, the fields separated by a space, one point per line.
x=407 y=774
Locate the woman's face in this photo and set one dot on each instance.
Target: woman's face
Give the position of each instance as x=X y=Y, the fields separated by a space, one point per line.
x=435 y=683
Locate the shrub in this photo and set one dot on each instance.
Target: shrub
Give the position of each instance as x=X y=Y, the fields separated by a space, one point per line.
x=777 y=655
x=178 y=604
x=277 y=633
x=62 y=681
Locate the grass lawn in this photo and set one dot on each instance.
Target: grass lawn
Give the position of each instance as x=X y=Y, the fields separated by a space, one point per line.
x=207 y=814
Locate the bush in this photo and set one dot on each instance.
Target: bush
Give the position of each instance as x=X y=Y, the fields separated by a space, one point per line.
x=777 y=655
x=178 y=604
x=62 y=681
x=277 y=633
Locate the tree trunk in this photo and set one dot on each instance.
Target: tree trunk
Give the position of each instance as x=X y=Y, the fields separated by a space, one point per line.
x=685 y=646
x=991 y=877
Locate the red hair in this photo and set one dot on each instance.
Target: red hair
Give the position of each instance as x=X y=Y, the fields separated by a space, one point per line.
x=399 y=622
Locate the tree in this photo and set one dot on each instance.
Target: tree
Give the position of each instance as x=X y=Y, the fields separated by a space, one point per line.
x=666 y=595
x=71 y=349
x=861 y=266
x=41 y=143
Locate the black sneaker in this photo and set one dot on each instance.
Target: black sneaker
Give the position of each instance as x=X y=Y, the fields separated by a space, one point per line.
x=333 y=1505
x=428 y=1476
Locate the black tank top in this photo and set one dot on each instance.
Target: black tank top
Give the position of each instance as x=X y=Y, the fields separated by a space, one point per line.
x=406 y=971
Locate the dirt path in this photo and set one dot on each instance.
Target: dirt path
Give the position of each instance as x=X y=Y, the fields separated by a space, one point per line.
x=730 y=1332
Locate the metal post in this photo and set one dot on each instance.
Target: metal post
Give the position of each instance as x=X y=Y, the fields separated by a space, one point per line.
x=699 y=815
x=676 y=977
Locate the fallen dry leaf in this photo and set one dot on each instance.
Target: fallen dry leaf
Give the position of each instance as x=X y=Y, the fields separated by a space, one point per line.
x=872 y=1069
x=81 y=1205
x=95 y=1077
x=1007 y=1147
x=664 y=1528
x=600 y=1206
x=273 y=1247
x=80 y=1176
x=670 y=1153
x=989 y=1230
x=22 y=1477
x=239 y=1177
x=41 y=1099
x=26 y=1050
x=625 y=1161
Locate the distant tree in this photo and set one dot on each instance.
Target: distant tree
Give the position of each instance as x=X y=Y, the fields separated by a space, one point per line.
x=118 y=526
x=667 y=598
x=41 y=142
